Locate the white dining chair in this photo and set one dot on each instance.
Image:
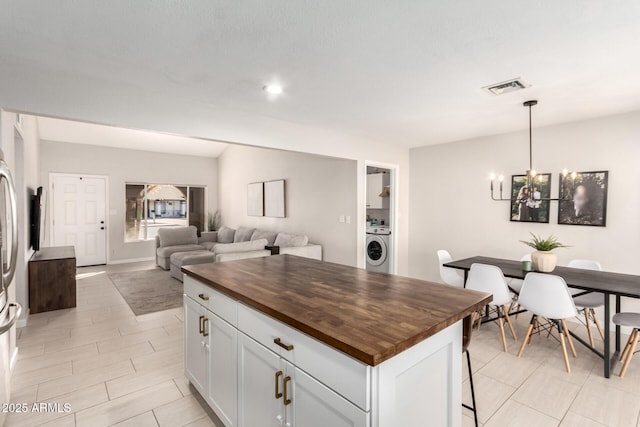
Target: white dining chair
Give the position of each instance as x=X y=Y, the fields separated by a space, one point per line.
x=448 y=275
x=489 y=278
x=516 y=285
x=587 y=303
x=631 y=320
x=548 y=296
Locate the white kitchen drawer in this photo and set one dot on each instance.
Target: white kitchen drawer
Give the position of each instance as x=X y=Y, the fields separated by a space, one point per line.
x=345 y=375
x=213 y=300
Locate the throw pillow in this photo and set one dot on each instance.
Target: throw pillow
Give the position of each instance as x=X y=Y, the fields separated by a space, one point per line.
x=227 y=248
x=264 y=234
x=291 y=240
x=243 y=234
x=226 y=234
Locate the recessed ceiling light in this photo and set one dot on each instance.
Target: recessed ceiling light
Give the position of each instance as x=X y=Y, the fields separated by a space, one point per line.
x=273 y=89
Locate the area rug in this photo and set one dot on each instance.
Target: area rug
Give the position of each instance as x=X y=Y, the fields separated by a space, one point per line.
x=148 y=291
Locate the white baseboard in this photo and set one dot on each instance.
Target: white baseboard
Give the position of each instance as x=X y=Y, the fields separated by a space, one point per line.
x=129 y=261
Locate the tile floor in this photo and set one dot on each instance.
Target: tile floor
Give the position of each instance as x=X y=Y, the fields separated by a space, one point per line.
x=112 y=367
x=115 y=368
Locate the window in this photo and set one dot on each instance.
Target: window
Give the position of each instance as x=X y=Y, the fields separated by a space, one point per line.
x=150 y=207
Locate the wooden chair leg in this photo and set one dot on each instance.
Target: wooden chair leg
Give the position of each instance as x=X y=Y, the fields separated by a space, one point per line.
x=569 y=339
x=630 y=352
x=479 y=321
x=628 y=344
x=551 y=326
x=586 y=323
x=564 y=352
x=502 y=335
x=595 y=320
x=506 y=316
x=526 y=337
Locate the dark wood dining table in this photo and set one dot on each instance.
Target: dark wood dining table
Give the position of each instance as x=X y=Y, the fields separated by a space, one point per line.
x=610 y=284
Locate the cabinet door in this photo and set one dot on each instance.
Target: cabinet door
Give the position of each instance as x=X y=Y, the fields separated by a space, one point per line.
x=315 y=405
x=260 y=381
x=374 y=188
x=223 y=369
x=195 y=345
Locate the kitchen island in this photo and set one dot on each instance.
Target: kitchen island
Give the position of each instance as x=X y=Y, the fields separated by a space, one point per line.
x=290 y=341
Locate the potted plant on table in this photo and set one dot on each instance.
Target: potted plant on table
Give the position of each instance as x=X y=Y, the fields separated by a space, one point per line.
x=543 y=259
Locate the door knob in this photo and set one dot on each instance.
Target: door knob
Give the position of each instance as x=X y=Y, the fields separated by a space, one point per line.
x=101 y=228
x=101 y=222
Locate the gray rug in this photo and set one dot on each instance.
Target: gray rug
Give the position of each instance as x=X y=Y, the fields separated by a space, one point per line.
x=148 y=291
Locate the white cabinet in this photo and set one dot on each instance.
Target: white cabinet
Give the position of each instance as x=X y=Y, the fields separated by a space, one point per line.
x=273 y=392
x=375 y=186
x=196 y=350
x=223 y=370
x=211 y=359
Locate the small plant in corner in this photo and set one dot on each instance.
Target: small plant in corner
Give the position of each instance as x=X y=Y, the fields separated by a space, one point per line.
x=543 y=260
x=543 y=245
x=213 y=221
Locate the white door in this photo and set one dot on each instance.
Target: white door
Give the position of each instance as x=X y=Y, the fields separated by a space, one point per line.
x=260 y=385
x=223 y=369
x=195 y=344
x=314 y=405
x=79 y=216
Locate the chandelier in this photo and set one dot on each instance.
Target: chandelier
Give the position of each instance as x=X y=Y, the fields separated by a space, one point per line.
x=531 y=173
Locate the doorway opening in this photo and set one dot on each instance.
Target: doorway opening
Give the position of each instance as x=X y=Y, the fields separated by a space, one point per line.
x=381 y=217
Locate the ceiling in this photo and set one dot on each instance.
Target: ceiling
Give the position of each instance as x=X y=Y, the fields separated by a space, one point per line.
x=406 y=73
x=85 y=133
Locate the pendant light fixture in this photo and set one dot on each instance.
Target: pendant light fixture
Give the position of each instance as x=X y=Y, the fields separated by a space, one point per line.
x=531 y=173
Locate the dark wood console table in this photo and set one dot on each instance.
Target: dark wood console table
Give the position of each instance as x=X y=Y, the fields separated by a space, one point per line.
x=52 y=279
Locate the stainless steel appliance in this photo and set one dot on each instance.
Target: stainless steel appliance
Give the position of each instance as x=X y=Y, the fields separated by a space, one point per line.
x=8 y=257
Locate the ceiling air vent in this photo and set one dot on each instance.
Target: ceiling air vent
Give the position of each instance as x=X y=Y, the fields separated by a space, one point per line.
x=507 y=87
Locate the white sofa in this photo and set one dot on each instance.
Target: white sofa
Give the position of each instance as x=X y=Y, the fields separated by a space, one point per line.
x=172 y=240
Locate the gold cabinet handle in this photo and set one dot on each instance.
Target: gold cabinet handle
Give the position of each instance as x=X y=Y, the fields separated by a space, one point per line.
x=286 y=380
x=203 y=297
x=278 y=394
x=287 y=347
x=201 y=326
x=204 y=327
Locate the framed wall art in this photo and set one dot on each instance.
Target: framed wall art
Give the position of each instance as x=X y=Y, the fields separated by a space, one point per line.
x=526 y=203
x=274 y=201
x=584 y=198
x=255 y=199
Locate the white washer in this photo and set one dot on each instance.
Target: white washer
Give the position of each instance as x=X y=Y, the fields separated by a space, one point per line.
x=378 y=249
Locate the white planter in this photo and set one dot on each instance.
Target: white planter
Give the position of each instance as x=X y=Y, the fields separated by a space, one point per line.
x=544 y=262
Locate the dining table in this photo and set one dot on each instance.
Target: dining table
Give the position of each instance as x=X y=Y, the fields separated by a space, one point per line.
x=613 y=285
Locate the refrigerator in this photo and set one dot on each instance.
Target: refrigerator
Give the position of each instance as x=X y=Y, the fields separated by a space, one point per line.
x=9 y=310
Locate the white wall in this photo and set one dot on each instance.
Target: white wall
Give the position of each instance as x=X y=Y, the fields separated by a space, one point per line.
x=23 y=159
x=451 y=208
x=318 y=190
x=122 y=166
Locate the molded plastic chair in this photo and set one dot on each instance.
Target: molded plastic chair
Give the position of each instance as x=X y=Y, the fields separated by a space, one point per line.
x=516 y=285
x=548 y=296
x=489 y=278
x=448 y=275
x=632 y=320
x=587 y=303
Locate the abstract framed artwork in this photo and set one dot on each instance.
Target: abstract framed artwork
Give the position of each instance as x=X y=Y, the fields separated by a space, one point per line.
x=255 y=199
x=526 y=203
x=584 y=198
x=274 y=200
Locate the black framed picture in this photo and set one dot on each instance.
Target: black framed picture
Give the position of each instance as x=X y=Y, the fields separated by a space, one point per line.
x=527 y=201
x=584 y=198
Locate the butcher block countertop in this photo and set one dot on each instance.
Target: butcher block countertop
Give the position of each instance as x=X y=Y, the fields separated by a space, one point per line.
x=369 y=316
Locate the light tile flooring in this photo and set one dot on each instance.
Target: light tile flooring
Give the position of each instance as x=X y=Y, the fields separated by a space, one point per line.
x=535 y=390
x=115 y=368
x=112 y=367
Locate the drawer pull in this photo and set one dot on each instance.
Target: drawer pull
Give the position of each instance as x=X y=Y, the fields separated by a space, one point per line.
x=286 y=380
x=201 y=327
x=287 y=347
x=278 y=394
x=204 y=327
x=203 y=297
